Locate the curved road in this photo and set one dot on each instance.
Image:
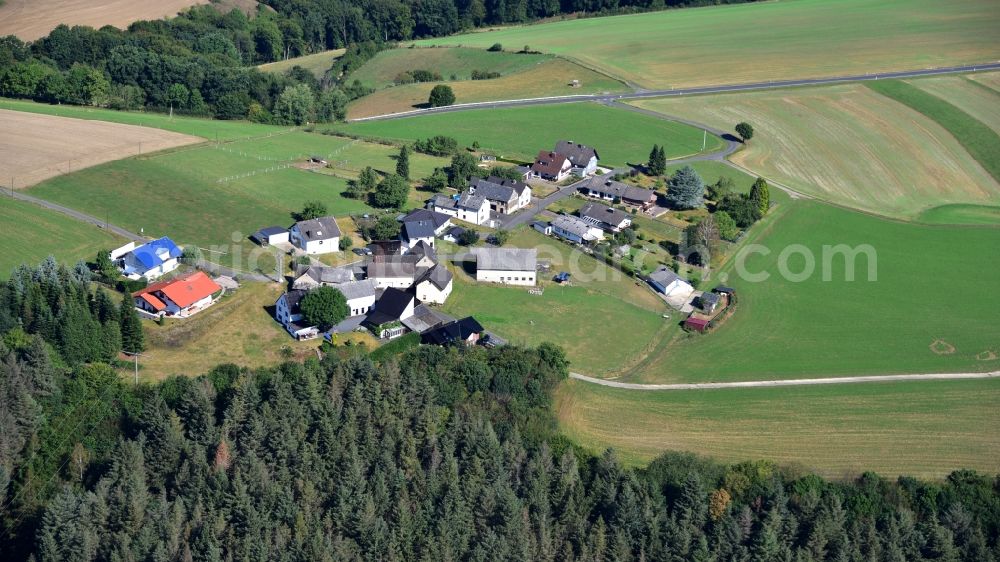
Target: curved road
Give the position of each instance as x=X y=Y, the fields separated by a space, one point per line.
x=640 y=94
x=784 y=382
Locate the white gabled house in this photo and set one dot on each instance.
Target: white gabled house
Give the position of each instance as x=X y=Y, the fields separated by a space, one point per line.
x=316 y=236
x=435 y=285
x=360 y=296
x=583 y=159
x=664 y=280
x=464 y=207
x=287 y=313
x=150 y=260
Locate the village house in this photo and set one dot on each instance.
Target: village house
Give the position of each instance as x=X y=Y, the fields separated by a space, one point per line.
x=422 y=225
x=466 y=331
x=316 y=236
x=270 y=235
x=288 y=314
x=508 y=266
x=464 y=207
x=607 y=218
x=504 y=196
x=311 y=276
x=610 y=190
x=386 y=318
x=399 y=271
x=582 y=158
x=180 y=297
x=666 y=281
x=551 y=166
x=360 y=296
x=575 y=229
x=435 y=285
x=150 y=260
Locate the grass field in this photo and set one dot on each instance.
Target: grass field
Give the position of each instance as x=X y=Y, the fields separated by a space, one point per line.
x=916 y=317
x=603 y=321
x=749 y=42
x=924 y=429
x=382 y=69
x=961 y=214
x=30 y=233
x=619 y=136
x=848 y=145
x=239 y=329
x=966 y=93
x=979 y=140
x=31 y=19
x=550 y=77
x=989 y=79
x=317 y=63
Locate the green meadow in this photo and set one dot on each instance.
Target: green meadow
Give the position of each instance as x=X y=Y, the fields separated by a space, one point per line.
x=750 y=42
x=317 y=63
x=382 y=70
x=620 y=136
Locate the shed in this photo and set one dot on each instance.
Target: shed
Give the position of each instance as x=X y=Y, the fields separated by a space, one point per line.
x=696 y=323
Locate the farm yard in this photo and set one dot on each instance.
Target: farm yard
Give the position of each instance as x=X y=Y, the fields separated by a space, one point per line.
x=37 y=147
x=924 y=429
x=31 y=19
x=749 y=42
x=848 y=145
x=623 y=136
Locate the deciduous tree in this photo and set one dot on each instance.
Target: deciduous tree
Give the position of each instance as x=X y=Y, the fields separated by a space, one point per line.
x=441 y=96
x=324 y=307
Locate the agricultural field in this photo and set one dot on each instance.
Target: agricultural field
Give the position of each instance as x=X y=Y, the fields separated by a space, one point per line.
x=620 y=136
x=913 y=318
x=31 y=19
x=965 y=92
x=30 y=233
x=239 y=329
x=750 y=42
x=381 y=71
x=548 y=78
x=35 y=147
x=317 y=63
x=848 y=145
x=924 y=429
x=603 y=320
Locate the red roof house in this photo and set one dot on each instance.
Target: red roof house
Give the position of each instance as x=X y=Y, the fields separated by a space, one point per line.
x=182 y=296
x=551 y=166
x=697 y=324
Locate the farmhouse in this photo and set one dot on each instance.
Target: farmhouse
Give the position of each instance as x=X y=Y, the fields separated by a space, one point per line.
x=150 y=260
x=607 y=218
x=504 y=196
x=665 y=281
x=466 y=331
x=399 y=271
x=270 y=235
x=422 y=225
x=610 y=190
x=316 y=236
x=509 y=266
x=360 y=296
x=464 y=207
x=181 y=297
x=386 y=319
x=435 y=285
x=286 y=312
x=575 y=229
x=551 y=166
x=582 y=158
x=311 y=276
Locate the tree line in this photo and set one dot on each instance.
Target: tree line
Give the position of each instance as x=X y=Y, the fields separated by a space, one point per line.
x=435 y=454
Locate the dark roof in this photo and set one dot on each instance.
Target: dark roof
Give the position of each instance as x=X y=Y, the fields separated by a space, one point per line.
x=498 y=189
x=724 y=290
x=386 y=247
x=293 y=298
x=422 y=249
x=664 y=276
x=618 y=189
x=578 y=154
x=455 y=231
x=438 y=275
x=393 y=266
x=419 y=215
x=709 y=298
x=389 y=307
x=418 y=229
x=456 y=331
x=269 y=231
x=548 y=163
x=603 y=214
x=322 y=228
x=324 y=274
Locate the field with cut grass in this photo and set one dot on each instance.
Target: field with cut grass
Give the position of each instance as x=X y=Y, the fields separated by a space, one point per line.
x=923 y=429
x=550 y=77
x=750 y=42
x=915 y=317
x=317 y=63
x=848 y=145
x=31 y=19
x=619 y=135
x=961 y=214
x=381 y=71
x=239 y=329
x=968 y=94
x=30 y=233
x=603 y=320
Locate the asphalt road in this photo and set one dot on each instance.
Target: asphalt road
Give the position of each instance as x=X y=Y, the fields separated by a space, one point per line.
x=640 y=94
x=785 y=382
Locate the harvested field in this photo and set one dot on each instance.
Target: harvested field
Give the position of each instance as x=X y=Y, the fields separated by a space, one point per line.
x=31 y=19
x=976 y=98
x=36 y=147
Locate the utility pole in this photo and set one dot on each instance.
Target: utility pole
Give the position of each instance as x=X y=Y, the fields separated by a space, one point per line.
x=704 y=138
x=135 y=355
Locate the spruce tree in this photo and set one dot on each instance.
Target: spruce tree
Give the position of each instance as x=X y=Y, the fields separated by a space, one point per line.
x=760 y=195
x=403 y=162
x=133 y=340
x=686 y=189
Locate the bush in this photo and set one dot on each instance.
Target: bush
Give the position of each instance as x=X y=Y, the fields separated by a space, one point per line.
x=421 y=75
x=441 y=96
x=346 y=243
x=468 y=238
x=438 y=145
x=495 y=48
x=484 y=75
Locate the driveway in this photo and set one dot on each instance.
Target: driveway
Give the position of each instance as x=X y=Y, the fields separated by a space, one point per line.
x=526 y=215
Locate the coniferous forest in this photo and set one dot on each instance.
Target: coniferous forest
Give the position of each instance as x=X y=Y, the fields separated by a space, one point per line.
x=438 y=454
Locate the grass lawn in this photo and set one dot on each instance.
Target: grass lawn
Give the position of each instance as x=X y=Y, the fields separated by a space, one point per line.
x=979 y=139
x=381 y=71
x=238 y=329
x=603 y=320
x=317 y=63
x=917 y=317
x=619 y=136
x=550 y=77
x=31 y=233
x=977 y=99
x=749 y=42
x=848 y=145
x=923 y=429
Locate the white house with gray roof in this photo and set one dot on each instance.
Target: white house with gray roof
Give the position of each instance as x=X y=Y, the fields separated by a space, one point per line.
x=422 y=225
x=464 y=207
x=312 y=276
x=360 y=296
x=435 y=285
x=504 y=196
x=508 y=266
x=576 y=230
x=582 y=157
x=607 y=218
x=666 y=281
x=316 y=236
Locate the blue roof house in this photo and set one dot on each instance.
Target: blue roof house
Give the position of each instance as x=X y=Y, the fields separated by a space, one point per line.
x=152 y=259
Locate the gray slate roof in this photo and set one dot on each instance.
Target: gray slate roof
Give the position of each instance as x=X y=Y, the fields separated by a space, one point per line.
x=323 y=228
x=506 y=259
x=425 y=318
x=394 y=266
x=325 y=274
x=573 y=225
x=664 y=276
x=438 y=275
x=358 y=289
x=578 y=154
x=603 y=214
x=498 y=189
x=618 y=189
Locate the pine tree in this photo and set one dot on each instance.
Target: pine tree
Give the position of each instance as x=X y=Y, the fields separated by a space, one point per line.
x=657 y=161
x=403 y=162
x=133 y=340
x=686 y=189
x=760 y=195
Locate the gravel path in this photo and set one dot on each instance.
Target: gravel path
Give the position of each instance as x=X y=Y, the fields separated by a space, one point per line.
x=785 y=382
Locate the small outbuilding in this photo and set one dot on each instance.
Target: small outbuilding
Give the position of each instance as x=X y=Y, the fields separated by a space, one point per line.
x=270 y=235
x=696 y=323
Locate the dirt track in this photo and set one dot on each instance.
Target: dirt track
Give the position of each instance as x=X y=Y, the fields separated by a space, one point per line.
x=36 y=147
x=785 y=382
x=31 y=19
